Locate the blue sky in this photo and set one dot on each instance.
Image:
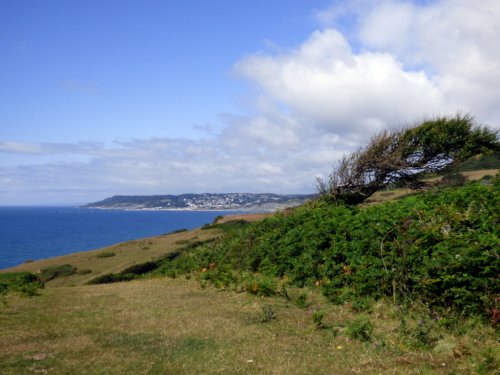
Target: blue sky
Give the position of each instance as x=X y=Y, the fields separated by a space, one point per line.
x=111 y=70
x=164 y=97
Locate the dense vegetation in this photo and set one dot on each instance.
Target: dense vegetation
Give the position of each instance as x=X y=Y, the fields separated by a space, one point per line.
x=402 y=156
x=19 y=282
x=439 y=248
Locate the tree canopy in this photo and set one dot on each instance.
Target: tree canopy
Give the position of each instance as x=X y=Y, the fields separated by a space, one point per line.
x=401 y=157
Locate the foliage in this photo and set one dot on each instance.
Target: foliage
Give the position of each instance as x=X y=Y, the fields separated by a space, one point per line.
x=302 y=301
x=84 y=271
x=20 y=282
x=228 y=226
x=477 y=162
x=111 y=278
x=453 y=179
x=268 y=314
x=137 y=270
x=140 y=268
x=402 y=156
x=50 y=273
x=105 y=254
x=361 y=329
x=440 y=248
x=318 y=317
x=128 y=274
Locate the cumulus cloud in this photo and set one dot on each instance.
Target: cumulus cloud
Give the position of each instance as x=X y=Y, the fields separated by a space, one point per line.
x=341 y=91
x=371 y=66
x=453 y=42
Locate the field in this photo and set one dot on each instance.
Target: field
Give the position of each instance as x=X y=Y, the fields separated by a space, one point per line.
x=172 y=326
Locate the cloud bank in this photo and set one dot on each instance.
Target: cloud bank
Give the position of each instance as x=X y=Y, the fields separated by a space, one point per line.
x=371 y=66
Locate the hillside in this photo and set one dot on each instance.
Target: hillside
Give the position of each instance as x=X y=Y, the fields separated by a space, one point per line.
x=409 y=286
x=220 y=201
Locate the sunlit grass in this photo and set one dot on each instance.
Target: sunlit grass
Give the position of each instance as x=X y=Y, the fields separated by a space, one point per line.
x=90 y=264
x=173 y=326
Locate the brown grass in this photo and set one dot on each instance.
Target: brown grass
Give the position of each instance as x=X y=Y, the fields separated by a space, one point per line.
x=172 y=326
x=126 y=254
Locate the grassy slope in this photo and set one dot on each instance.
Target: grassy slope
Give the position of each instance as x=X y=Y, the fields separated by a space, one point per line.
x=388 y=195
x=172 y=326
x=126 y=254
x=143 y=250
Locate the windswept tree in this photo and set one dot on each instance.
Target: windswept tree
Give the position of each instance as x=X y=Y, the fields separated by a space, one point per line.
x=402 y=156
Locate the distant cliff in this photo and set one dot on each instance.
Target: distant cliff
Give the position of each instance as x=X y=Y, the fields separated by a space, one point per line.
x=207 y=201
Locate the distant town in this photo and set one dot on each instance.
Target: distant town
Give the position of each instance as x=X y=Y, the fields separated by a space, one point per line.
x=207 y=201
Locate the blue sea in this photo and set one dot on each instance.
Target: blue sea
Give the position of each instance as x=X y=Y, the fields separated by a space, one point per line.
x=31 y=233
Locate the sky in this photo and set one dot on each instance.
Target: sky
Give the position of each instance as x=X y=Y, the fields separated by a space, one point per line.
x=99 y=98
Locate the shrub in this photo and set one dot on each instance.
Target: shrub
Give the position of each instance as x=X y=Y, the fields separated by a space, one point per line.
x=318 y=317
x=85 y=271
x=110 y=278
x=141 y=268
x=267 y=314
x=360 y=304
x=453 y=179
x=302 y=301
x=50 y=273
x=260 y=285
x=361 y=329
x=106 y=254
x=402 y=156
x=21 y=282
x=437 y=247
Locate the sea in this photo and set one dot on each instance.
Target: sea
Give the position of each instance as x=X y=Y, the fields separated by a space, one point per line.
x=31 y=233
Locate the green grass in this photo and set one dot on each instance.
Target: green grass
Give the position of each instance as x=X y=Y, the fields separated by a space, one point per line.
x=173 y=326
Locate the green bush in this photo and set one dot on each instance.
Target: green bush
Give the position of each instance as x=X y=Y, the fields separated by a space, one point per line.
x=141 y=268
x=106 y=254
x=22 y=282
x=439 y=248
x=361 y=329
x=267 y=314
x=50 y=273
x=85 y=271
x=302 y=301
x=110 y=278
x=260 y=285
x=318 y=317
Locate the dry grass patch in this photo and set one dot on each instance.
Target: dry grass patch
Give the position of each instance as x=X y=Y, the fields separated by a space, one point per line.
x=98 y=262
x=173 y=326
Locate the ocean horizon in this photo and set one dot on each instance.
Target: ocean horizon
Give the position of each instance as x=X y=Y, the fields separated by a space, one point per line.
x=30 y=233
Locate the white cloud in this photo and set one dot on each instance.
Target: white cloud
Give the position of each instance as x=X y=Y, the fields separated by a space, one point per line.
x=341 y=91
x=50 y=148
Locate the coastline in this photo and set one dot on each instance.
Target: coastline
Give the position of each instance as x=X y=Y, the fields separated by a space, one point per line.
x=129 y=252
